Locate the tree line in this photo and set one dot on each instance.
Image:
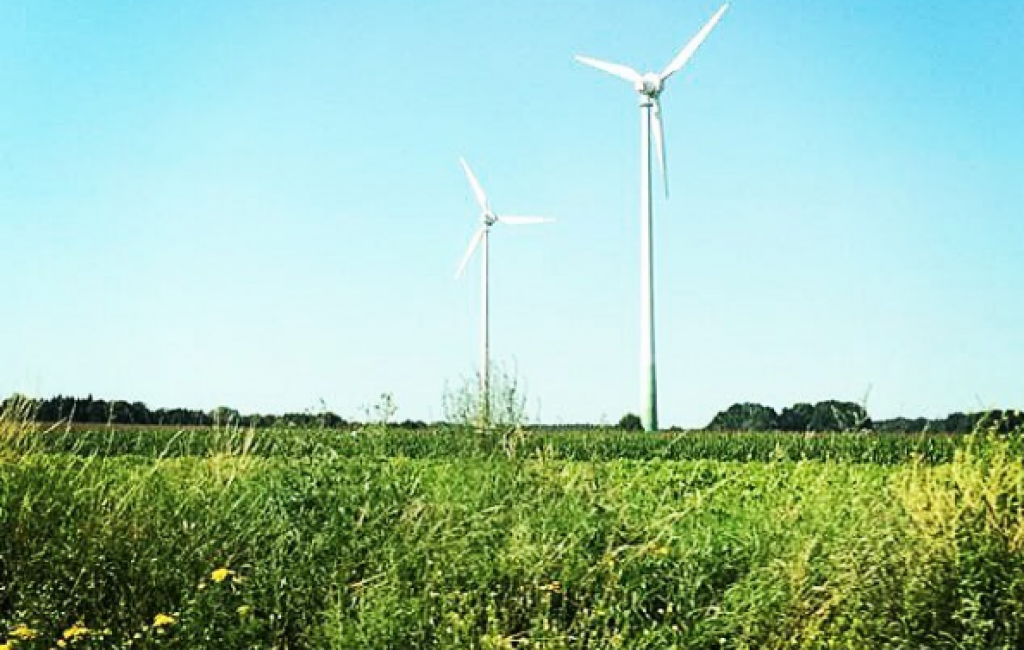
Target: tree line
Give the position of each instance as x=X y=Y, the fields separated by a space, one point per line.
x=834 y=415
x=829 y=415
x=91 y=410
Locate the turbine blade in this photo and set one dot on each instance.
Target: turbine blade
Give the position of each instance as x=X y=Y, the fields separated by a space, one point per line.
x=659 y=142
x=473 y=244
x=621 y=71
x=691 y=47
x=478 y=191
x=522 y=221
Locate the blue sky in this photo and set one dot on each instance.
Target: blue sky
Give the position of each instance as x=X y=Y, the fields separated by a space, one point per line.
x=259 y=204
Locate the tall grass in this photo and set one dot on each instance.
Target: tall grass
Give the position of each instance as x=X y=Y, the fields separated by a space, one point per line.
x=18 y=428
x=482 y=550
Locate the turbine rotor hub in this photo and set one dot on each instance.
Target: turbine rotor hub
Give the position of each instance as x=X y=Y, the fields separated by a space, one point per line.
x=649 y=85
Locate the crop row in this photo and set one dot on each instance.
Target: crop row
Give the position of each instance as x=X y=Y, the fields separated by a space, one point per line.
x=439 y=443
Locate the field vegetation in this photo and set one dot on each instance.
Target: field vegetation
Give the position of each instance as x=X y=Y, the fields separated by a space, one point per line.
x=227 y=537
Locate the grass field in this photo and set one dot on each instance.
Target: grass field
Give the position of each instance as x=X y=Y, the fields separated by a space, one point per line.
x=451 y=539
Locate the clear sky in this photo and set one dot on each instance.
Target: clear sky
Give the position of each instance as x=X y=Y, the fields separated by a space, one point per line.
x=259 y=204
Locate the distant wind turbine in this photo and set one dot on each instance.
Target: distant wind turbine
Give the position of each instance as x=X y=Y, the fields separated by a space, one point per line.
x=480 y=240
x=650 y=86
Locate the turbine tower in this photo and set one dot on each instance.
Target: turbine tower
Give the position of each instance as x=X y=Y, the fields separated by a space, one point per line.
x=481 y=240
x=649 y=87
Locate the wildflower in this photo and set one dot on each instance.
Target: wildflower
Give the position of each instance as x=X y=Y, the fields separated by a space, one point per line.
x=6 y=646
x=554 y=587
x=221 y=574
x=76 y=631
x=244 y=611
x=24 y=632
x=163 y=620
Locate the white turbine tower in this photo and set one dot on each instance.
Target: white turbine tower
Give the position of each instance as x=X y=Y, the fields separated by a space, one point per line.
x=650 y=86
x=480 y=240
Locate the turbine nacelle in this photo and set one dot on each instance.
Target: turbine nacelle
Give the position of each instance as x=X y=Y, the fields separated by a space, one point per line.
x=649 y=85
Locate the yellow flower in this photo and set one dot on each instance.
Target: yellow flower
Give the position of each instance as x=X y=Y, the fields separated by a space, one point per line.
x=76 y=631
x=6 y=646
x=244 y=611
x=24 y=632
x=61 y=643
x=555 y=587
x=221 y=574
x=162 y=620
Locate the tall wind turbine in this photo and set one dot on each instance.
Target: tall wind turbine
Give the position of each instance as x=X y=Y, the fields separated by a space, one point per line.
x=481 y=240
x=649 y=87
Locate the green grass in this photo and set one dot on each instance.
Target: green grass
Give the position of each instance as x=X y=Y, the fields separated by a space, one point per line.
x=452 y=540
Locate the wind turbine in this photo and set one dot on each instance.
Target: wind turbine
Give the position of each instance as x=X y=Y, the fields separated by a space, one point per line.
x=480 y=239
x=649 y=87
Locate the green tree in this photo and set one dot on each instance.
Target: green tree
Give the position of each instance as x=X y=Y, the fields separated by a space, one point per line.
x=796 y=417
x=902 y=425
x=746 y=417
x=833 y=415
x=630 y=422
x=1001 y=422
